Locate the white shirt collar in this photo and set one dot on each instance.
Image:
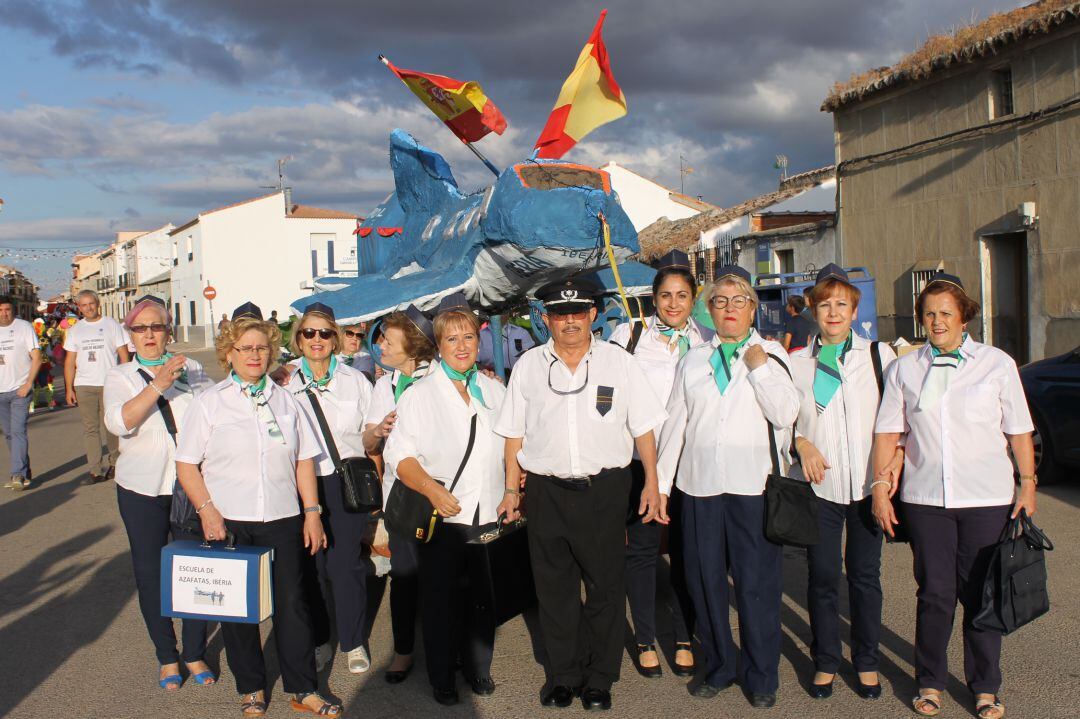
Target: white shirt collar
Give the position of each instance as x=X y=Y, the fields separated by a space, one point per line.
x=549 y=348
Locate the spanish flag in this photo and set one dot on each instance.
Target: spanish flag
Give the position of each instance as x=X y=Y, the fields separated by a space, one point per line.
x=590 y=97
x=463 y=106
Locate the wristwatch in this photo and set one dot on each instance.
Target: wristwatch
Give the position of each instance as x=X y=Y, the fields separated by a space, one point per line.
x=316 y=508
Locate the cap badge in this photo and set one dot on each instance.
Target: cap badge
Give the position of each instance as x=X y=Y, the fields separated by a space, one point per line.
x=569 y=295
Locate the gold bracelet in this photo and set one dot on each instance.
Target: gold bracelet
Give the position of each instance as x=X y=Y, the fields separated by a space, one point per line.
x=1031 y=478
x=509 y=490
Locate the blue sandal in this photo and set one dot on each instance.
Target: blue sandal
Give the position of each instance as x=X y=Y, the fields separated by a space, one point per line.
x=203 y=679
x=171 y=683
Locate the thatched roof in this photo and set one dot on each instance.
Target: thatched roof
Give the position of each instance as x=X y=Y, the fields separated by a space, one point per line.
x=665 y=235
x=964 y=45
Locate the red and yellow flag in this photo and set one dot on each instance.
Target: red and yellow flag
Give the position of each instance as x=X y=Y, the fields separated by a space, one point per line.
x=463 y=106
x=589 y=98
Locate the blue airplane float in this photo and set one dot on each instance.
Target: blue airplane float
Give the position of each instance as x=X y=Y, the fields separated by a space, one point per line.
x=538 y=222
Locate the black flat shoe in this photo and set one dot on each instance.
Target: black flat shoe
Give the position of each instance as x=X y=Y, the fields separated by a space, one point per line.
x=820 y=691
x=446 y=697
x=596 y=700
x=868 y=691
x=683 y=670
x=557 y=696
x=648 y=672
x=482 y=686
x=762 y=701
x=397 y=677
x=704 y=690
x=95 y=479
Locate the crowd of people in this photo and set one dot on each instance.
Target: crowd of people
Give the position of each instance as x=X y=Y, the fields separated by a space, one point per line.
x=657 y=442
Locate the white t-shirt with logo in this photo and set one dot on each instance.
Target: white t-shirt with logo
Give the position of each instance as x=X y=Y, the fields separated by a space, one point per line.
x=95 y=344
x=17 y=341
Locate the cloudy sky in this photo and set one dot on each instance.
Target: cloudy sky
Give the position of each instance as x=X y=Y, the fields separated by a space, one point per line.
x=126 y=114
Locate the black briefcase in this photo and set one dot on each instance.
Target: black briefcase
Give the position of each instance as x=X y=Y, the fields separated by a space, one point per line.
x=500 y=570
x=1014 y=591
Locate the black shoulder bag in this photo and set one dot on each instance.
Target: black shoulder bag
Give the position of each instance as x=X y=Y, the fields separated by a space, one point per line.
x=182 y=514
x=791 y=511
x=361 y=488
x=900 y=534
x=410 y=513
x=1014 y=591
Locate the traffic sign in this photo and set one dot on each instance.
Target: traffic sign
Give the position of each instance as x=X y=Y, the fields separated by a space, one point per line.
x=209 y=293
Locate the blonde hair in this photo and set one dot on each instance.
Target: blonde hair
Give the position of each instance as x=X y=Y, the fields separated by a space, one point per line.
x=294 y=342
x=234 y=330
x=730 y=281
x=454 y=319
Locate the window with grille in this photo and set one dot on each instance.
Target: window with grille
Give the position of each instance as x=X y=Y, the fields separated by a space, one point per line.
x=1001 y=97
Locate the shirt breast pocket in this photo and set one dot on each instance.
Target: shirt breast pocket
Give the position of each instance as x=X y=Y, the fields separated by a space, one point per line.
x=604 y=403
x=981 y=404
x=287 y=425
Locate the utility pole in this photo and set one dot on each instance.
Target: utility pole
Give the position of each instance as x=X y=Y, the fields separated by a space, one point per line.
x=684 y=170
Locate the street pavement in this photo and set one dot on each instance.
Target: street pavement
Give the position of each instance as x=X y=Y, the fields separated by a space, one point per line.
x=73 y=644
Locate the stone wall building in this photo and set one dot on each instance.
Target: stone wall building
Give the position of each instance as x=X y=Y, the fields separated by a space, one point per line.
x=21 y=290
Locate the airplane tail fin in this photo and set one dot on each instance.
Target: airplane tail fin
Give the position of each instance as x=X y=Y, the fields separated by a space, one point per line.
x=422 y=177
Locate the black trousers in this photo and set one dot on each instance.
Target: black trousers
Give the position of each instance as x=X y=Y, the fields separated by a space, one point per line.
x=341 y=571
x=643 y=565
x=861 y=558
x=146 y=520
x=726 y=533
x=404 y=591
x=452 y=617
x=952 y=549
x=577 y=536
x=293 y=636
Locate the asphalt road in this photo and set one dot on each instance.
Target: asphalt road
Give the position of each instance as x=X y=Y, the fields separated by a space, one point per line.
x=72 y=641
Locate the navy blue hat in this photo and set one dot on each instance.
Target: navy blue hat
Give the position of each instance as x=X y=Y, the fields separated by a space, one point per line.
x=573 y=294
x=832 y=271
x=248 y=310
x=150 y=298
x=732 y=271
x=676 y=259
x=453 y=302
x=421 y=321
x=947 y=279
x=320 y=309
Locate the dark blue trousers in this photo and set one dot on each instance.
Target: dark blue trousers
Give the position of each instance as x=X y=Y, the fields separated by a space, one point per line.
x=404 y=591
x=146 y=520
x=862 y=560
x=721 y=534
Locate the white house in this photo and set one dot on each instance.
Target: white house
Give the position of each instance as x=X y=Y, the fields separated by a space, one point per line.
x=646 y=201
x=153 y=263
x=265 y=250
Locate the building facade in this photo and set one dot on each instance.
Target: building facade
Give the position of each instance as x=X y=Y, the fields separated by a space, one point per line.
x=22 y=291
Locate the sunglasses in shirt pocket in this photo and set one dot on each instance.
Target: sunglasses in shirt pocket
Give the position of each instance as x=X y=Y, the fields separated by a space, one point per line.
x=603 y=400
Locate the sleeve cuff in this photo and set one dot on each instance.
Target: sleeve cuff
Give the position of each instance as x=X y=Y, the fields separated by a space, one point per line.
x=655 y=423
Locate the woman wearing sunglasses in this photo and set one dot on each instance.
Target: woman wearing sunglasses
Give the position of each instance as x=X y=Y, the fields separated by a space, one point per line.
x=142 y=399
x=353 y=353
x=343 y=396
x=245 y=454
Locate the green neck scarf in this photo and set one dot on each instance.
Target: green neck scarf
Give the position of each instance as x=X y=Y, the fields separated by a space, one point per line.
x=682 y=336
x=471 y=378
x=319 y=384
x=827 y=378
x=723 y=357
x=143 y=362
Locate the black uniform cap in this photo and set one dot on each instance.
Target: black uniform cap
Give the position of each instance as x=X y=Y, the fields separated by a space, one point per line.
x=248 y=310
x=832 y=271
x=318 y=308
x=732 y=271
x=567 y=296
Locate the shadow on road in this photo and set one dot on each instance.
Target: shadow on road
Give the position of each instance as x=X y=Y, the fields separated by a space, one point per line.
x=37 y=501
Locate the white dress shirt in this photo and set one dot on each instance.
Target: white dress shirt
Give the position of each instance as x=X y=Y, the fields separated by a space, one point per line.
x=344 y=401
x=844 y=432
x=147 y=462
x=17 y=341
x=250 y=475
x=433 y=427
x=719 y=443
x=957 y=453
x=566 y=435
x=382 y=404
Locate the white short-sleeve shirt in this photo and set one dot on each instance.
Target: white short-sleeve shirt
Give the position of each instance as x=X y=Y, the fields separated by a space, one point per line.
x=95 y=345
x=577 y=435
x=957 y=453
x=719 y=443
x=382 y=404
x=17 y=341
x=844 y=432
x=147 y=462
x=433 y=427
x=250 y=475
x=344 y=401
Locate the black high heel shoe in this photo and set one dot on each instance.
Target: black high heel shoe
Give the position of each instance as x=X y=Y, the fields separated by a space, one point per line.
x=648 y=672
x=820 y=691
x=684 y=670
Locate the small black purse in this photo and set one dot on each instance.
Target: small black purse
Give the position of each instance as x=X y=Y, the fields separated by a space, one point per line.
x=182 y=515
x=361 y=488
x=409 y=513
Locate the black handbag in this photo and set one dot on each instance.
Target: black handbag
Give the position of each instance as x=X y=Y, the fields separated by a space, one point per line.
x=361 y=488
x=182 y=514
x=791 y=511
x=1014 y=591
x=500 y=570
x=409 y=513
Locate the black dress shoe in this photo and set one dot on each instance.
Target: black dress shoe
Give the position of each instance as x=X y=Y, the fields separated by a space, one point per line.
x=704 y=690
x=557 y=696
x=868 y=691
x=820 y=691
x=762 y=701
x=482 y=686
x=595 y=700
x=95 y=479
x=397 y=677
x=683 y=670
x=648 y=672
x=446 y=697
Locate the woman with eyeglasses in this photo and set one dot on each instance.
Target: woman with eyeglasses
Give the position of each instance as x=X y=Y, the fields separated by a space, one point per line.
x=445 y=432
x=146 y=401
x=407 y=344
x=244 y=456
x=715 y=450
x=657 y=345
x=343 y=396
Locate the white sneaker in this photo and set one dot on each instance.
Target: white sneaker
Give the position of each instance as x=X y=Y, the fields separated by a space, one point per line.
x=359 y=661
x=323 y=654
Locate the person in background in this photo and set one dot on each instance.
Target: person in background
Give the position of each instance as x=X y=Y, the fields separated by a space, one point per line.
x=343 y=395
x=223 y=321
x=93 y=346
x=274 y=317
x=20 y=359
x=515 y=341
x=961 y=409
x=426 y=449
x=657 y=346
x=245 y=455
x=727 y=397
x=798 y=327
x=353 y=353
x=146 y=474
x=407 y=343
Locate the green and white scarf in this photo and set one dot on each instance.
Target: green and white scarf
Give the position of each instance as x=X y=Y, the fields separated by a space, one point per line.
x=827 y=378
x=143 y=362
x=471 y=378
x=722 y=359
x=943 y=365
x=309 y=378
x=680 y=336
x=254 y=391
